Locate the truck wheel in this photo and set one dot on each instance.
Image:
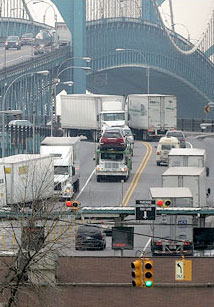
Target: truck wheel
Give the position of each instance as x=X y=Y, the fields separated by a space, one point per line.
x=98 y=178
x=158 y=163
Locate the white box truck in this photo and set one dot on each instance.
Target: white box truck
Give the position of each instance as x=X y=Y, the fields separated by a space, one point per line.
x=65 y=151
x=172 y=234
x=87 y=114
x=190 y=177
x=25 y=178
x=183 y=157
x=151 y=115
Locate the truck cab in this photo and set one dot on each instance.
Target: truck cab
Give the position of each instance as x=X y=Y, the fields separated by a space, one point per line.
x=65 y=151
x=113 y=163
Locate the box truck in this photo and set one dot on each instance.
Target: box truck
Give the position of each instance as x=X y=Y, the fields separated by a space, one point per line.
x=26 y=178
x=89 y=114
x=151 y=115
x=190 y=177
x=64 y=34
x=183 y=157
x=172 y=235
x=65 y=152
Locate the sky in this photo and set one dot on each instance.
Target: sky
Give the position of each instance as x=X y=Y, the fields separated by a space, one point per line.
x=191 y=17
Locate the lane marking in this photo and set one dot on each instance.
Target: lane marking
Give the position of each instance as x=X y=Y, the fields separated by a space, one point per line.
x=87 y=181
x=137 y=175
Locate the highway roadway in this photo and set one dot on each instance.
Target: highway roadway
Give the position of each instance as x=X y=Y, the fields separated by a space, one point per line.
x=145 y=174
x=12 y=56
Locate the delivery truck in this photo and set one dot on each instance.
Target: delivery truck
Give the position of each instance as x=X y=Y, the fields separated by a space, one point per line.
x=151 y=115
x=184 y=157
x=172 y=235
x=87 y=114
x=190 y=177
x=65 y=152
x=26 y=178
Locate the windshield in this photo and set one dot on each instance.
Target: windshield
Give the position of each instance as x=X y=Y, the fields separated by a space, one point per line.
x=61 y=170
x=112 y=156
x=12 y=38
x=176 y=134
x=167 y=147
x=113 y=116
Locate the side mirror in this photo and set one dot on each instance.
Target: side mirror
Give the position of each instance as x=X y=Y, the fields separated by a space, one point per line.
x=208 y=192
x=207 y=171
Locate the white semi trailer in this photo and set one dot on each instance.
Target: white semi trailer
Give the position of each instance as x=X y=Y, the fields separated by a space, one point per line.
x=89 y=114
x=151 y=115
x=26 y=178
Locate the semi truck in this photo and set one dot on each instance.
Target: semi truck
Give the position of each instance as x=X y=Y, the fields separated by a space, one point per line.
x=89 y=114
x=113 y=163
x=65 y=151
x=151 y=115
x=172 y=235
x=26 y=178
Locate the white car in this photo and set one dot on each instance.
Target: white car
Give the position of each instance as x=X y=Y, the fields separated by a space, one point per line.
x=128 y=134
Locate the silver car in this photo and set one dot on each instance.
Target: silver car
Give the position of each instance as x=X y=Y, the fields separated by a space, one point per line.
x=128 y=134
x=179 y=135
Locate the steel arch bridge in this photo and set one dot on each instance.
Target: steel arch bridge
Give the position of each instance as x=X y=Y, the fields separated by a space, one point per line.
x=145 y=44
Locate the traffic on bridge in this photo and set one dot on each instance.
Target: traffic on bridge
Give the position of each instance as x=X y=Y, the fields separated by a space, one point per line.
x=106 y=155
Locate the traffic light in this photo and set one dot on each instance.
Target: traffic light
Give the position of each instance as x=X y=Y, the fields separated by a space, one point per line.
x=73 y=204
x=137 y=273
x=164 y=203
x=148 y=272
x=207 y=109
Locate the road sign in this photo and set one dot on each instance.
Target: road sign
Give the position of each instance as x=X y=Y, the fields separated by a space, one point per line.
x=145 y=210
x=183 y=270
x=179 y=270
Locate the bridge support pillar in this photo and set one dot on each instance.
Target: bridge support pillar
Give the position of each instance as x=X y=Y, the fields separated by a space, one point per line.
x=74 y=14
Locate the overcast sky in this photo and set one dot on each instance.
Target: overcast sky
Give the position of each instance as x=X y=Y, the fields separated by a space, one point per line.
x=194 y=15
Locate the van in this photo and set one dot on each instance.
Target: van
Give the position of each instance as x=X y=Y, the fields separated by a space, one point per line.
x=164 y=146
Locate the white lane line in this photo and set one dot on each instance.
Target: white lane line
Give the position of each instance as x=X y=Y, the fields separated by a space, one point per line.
x=147 y=244
x=89 y=178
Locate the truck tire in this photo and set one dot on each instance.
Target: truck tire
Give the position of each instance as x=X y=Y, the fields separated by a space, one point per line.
x=158 y=163
x=98 y=178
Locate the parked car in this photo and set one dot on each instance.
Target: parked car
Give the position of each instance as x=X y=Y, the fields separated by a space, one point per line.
x=90 y=237
x=179 y=135
x=113 y=138
x=20 y=122
x=13 y=42
x=27 y=39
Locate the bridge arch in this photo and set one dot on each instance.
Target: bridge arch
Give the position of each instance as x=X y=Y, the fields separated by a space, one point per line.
x=146 y=45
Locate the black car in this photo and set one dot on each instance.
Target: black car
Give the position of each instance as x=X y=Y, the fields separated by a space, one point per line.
x=90 y=237
x=13 y=42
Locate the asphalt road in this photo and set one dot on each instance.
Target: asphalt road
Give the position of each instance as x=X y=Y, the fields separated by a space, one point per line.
x=145 y=174
x=13 y=56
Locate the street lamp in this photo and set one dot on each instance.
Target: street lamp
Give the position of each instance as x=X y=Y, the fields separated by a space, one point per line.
x=147 y=66
x=42 y=72
x=87 y=59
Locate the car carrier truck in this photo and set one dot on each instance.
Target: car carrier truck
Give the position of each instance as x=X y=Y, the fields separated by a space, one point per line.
x=113 y=163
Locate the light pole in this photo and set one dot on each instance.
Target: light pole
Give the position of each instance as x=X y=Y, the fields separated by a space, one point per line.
x=42 y=72
x=87 y=59
x=147 y=66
